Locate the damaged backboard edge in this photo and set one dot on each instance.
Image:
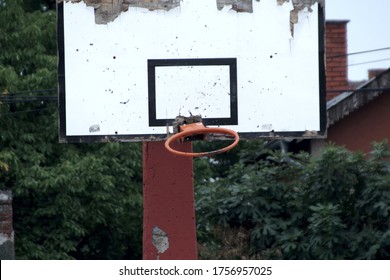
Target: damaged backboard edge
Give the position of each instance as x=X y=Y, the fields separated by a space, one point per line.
x=64 y=138
x=108 y=10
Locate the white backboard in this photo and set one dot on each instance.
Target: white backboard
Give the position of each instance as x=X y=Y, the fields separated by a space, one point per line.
x=126 y=80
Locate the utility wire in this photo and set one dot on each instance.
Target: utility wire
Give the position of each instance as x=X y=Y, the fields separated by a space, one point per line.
x=361 y=52
x=27 y=111
x=366 y=62
x=32 y=91
x=360 y=63
x=12 y=97
x=26 y=99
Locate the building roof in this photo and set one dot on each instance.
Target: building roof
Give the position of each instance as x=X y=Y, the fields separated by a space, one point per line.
x=348 y=102
x=337 y=21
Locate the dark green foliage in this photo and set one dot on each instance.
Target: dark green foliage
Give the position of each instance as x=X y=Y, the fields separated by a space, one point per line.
x=217 y=166
x=70 y=201
x=334 y=206
x=43 y=5
x=87 y=206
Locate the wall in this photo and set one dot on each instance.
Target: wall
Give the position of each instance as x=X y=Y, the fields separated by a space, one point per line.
x=367 y=124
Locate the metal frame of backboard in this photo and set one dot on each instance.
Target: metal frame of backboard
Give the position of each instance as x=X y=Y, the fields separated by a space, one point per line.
x=94 y=131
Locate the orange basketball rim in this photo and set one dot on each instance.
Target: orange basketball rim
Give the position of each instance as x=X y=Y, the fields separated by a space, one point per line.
x=197 y=129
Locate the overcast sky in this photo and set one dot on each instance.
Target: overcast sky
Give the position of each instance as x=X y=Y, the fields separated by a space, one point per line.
x=368 y=29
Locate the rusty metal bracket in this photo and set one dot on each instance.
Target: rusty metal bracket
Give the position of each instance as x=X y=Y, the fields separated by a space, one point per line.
x=183 y=121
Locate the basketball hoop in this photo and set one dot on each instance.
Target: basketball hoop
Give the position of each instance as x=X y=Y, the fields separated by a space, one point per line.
x=198 y=129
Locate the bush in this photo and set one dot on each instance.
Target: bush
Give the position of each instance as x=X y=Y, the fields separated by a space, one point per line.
x=333 y=206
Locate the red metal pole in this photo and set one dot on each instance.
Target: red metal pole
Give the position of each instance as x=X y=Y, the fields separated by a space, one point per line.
x=169 y=230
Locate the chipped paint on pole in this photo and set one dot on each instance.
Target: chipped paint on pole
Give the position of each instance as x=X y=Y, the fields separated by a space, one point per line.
x=7 y=250
x=160 y=240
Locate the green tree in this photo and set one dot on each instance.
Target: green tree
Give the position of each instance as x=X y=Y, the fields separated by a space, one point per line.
x=334 y=206
x=70 y=201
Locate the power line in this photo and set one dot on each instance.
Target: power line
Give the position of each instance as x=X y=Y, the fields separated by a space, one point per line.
x=359 y=63
x=27 y=111
x=25 y=99
x=14 y=97
x=32 y=91
x=366 y=62
x=361 y=52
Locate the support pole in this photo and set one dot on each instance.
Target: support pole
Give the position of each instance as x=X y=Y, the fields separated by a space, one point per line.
x=169 y=230
x=7 y=249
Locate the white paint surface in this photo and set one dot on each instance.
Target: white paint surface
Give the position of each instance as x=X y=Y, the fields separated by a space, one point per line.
x=106 y=67
x=189 y=90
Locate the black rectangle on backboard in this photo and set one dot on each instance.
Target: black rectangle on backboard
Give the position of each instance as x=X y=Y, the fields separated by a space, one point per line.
x=231 y=63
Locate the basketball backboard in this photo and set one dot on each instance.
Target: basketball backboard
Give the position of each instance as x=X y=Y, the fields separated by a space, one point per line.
x=249 y=70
